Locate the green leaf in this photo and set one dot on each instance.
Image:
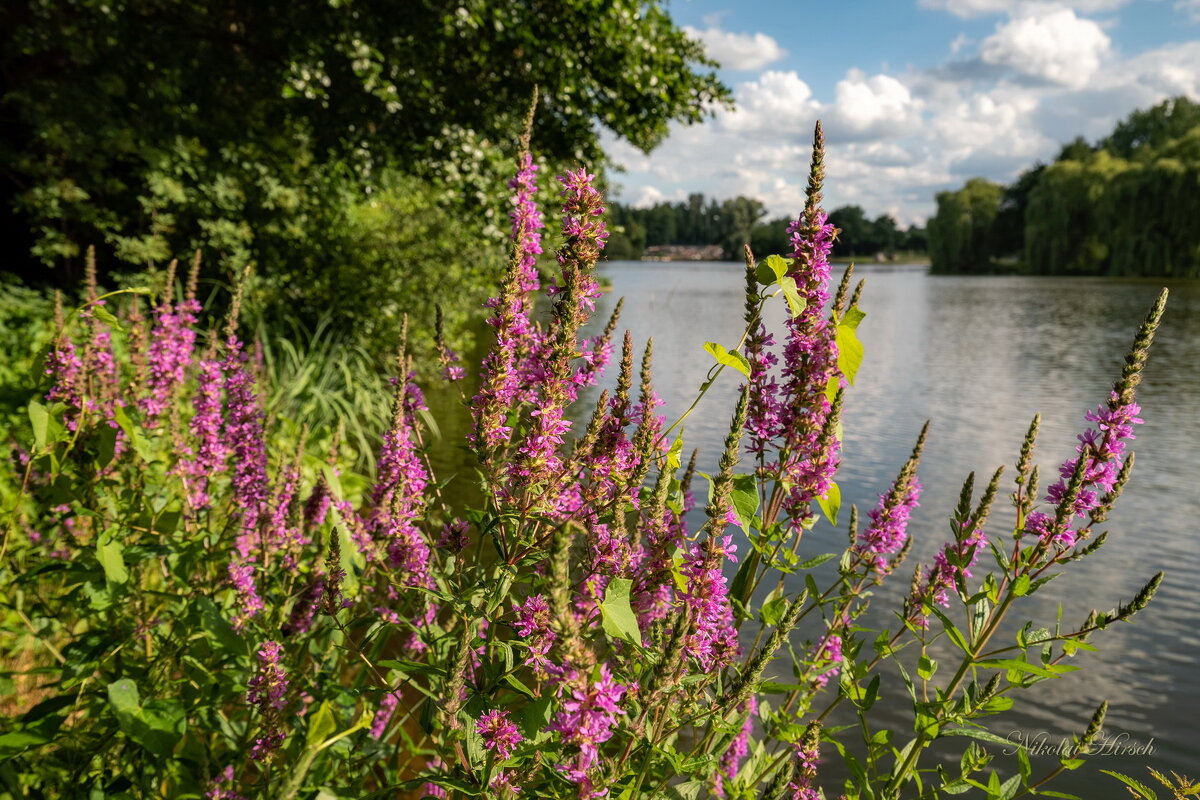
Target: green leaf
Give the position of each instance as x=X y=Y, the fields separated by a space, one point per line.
x=109 y=553
x=850 y=352
x=685 y=791
x=796 y=303
x=977 y=733
x=619 y=619
x=772 y=610
x=1015 y=665
x=730 y=359
x=322 y=726
x=218 y=629
x=675 y=454
x=831 y=503
x=1140 y=788
x=536 y=716
x=1021 y=586
x=816 y=561
x=852 y=317
x=104 y=315
x=39 y=418
x=140 y=446
x=771 y=269
x=157 y=726
x=745 y=499
x=926 y=667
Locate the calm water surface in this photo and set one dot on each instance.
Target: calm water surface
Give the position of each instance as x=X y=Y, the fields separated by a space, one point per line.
x=978 y=357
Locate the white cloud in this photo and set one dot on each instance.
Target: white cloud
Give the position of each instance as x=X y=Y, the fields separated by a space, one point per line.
x=742 y=51
x=975 y=8
x=1056 y=46
x=894 y=140
x=876 y=106
x=776 y=101
x=648 y=196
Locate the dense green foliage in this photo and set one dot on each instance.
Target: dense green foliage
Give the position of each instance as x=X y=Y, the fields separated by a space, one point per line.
x=1125 y=206
x=317 y=140
x=740 y=220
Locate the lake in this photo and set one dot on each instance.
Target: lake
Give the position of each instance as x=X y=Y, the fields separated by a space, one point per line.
x=979 y=356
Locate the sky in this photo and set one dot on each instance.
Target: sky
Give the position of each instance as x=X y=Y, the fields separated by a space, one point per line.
x=915 y=96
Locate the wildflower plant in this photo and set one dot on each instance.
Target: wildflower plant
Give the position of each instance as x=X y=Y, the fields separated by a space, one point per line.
x=212 y=617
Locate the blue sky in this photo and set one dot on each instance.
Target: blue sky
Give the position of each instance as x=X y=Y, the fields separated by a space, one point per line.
x=916 y=96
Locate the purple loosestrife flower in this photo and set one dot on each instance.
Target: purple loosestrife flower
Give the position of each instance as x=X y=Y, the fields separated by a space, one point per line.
x=732 y=758
x=1102 y=448
x=65 y=369
x=222 y=787
x=589 y=715
x=454 y=536
x=284 y=534
x=399 y=491
x=244 y=438
x=172 y=341
x=268 y=692
x=796 y=418
x=713 y=641
x=538 y=462
x=526 y=223
x=943 y=575
x=887 y=533
x=432 y=789
x=383 y=714
x=533 y=623
x=533 y=617
x=210 y=449
x=498 y=733
x=316 y=507
x=502 y=368
x=827 y=658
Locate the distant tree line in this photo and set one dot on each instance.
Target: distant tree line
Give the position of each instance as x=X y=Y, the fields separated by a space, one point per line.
x=1126 y=205
x=741 y=220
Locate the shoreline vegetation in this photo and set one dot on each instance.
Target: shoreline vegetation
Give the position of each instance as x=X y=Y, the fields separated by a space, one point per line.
x=713 y=253
x=1071 y=216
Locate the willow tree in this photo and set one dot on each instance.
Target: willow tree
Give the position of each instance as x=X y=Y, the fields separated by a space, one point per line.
x=960 y=234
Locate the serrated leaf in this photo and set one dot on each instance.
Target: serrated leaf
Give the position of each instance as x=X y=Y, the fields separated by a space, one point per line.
x=1142 y=790
x=728 y=358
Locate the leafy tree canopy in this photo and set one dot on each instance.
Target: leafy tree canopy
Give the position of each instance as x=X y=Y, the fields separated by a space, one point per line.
x=279 y=133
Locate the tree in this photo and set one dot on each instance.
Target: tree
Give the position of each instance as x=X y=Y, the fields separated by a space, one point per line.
x=1063 y=232
x=960 y=234
x=854 y=231
x=256 y=130
x=1153 y=127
